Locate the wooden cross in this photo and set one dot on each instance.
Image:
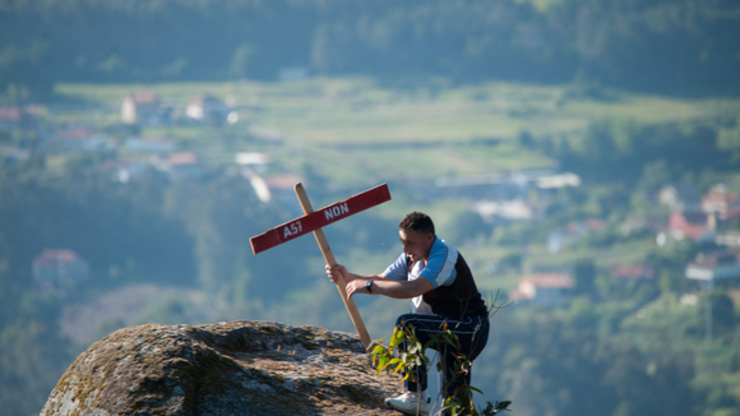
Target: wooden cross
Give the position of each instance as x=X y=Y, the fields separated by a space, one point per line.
x=313 y=222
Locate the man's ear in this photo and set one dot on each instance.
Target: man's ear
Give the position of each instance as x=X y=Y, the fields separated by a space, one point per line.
x=429 y=238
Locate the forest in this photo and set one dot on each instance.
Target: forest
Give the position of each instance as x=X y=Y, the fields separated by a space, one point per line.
x=673 y=47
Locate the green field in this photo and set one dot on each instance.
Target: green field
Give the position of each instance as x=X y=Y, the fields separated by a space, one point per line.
x=354 y=131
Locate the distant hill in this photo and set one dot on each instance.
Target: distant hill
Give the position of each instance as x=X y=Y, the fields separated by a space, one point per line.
x=669 y=46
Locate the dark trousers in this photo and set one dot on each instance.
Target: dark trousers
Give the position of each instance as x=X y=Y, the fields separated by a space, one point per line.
x=472 y=333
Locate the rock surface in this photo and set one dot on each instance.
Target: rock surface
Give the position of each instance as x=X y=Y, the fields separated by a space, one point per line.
x=230 y=368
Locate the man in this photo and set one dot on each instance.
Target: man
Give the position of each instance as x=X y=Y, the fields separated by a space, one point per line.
x=443 y=295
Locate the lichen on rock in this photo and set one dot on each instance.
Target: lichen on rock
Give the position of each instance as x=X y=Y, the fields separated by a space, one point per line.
x=230 y=368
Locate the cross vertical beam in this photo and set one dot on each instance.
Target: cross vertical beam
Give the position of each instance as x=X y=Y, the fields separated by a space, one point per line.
x=354 y=314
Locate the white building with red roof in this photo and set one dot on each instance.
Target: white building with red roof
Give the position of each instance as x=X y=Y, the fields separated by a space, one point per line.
x=696 y=225
x=547 y=289
x=59 y=271
x=18 y=116
x=183 y=165
x=141 y=107
x=281 y=190
x=10 y=114
x=718 y=201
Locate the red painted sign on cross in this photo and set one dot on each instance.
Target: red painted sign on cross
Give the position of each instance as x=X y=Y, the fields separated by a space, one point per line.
x=321 y=218
x=313 y=222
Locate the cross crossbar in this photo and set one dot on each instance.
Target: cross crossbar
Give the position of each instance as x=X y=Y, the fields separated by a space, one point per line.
x=321 y=218
x=312 y=221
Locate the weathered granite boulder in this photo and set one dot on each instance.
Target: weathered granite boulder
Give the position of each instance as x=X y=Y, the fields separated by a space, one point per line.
x=230 y=368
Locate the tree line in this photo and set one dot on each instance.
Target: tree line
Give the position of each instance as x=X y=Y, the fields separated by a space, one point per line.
x=676 y=47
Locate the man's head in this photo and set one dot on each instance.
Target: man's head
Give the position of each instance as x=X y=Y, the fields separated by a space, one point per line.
x=416 y=231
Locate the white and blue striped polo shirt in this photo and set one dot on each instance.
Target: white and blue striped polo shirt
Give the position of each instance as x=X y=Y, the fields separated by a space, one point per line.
x=439 y=268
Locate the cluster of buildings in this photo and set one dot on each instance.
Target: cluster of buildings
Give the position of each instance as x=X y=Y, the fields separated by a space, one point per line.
x=133 y=154
x=703 y=219
x=26 y=132
x=710 y=220
x=550 y=289
x=148 y=108
x=14 y=118
x=503 y=197
x=32 y=137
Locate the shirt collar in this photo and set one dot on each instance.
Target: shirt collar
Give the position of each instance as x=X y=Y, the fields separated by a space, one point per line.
x=438 y=244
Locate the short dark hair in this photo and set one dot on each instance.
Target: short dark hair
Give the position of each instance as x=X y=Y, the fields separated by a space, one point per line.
x=417 y=221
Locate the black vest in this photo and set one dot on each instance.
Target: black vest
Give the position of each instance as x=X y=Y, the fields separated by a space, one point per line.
x=461 y=299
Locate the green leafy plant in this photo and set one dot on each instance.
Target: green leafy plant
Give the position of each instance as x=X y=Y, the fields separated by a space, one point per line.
x=396 y=360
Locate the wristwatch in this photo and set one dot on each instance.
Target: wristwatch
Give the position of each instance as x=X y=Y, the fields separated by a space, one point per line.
x=369 y=286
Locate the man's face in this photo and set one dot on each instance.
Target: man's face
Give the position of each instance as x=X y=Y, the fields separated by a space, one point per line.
x=415 y=244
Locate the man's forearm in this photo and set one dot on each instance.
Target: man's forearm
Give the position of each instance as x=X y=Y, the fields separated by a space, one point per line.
x=399 y=290
x=395 y=289
x=353 y=276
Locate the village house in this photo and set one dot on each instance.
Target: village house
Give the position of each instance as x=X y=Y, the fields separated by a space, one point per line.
x=506 y=196
x=717 y=200
x=253 y=165
x=572 y=232
x=680 y=197
x=254 y=160
x=80 y=139
x=12 y=117
x=58 y=272
x=696 y=225
x=729 y=239
x=628 y=274
x=182 y=165
x=509 y=211
x=714 y=267
x=283 y=182
x=547 y=289
x=724 y=205
x=142 y=108
x=12 y=155
x=495 y=186
x=702 y=224
x=732 y=214
x=281 y=190
x=206 y=106
x=548 y=185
